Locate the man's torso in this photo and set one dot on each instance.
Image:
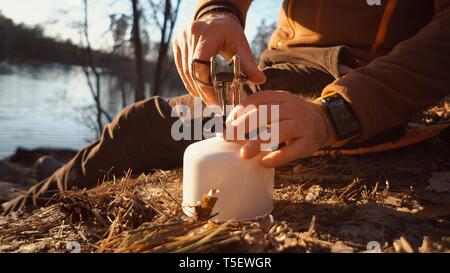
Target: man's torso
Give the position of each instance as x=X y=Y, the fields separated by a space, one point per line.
x=369 y=30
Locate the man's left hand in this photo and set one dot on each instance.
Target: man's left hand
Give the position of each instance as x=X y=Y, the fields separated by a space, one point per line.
x=303 y=126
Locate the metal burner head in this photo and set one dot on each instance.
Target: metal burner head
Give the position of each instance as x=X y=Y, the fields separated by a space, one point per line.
x=225 y=79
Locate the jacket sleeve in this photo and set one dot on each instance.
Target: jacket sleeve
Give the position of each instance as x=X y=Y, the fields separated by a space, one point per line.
x=241 y=5
x=414 y=75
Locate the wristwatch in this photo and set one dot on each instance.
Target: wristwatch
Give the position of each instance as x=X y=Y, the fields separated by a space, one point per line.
x=342 y=117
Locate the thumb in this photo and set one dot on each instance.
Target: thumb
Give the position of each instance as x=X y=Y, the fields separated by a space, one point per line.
x=249 y=67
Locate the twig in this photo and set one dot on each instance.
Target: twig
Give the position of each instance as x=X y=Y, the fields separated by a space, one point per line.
x=204 y=240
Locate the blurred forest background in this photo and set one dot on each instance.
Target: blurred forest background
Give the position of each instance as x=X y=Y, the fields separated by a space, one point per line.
x=80 y=84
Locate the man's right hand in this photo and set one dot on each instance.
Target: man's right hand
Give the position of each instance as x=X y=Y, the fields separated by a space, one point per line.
x=214 y=33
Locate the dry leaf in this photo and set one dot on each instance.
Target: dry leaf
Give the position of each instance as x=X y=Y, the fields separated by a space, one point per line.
x=204 y=209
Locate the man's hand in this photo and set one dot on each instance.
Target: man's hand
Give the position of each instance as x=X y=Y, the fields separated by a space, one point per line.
x=214 y=33
x=303 y=126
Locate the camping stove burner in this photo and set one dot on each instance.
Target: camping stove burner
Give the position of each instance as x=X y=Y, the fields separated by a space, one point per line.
x=225 y=78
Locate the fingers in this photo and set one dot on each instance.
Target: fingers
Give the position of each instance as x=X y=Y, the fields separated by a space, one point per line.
x=179 y=57
x=245 y=120
x=204 y=50
x=249 y=67
x=183 y=52
x=214 y=34
x=285 y=131
x=250 y=149
x=186 y=62
x=296 y=149
x=268 y=97
x=264 y=108
x=300 y=124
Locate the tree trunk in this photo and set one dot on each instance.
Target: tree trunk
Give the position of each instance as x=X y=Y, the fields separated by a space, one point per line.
x=163 y=46
x=137 y=44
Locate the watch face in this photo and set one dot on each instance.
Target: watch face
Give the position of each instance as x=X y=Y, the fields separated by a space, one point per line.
x=344 y=120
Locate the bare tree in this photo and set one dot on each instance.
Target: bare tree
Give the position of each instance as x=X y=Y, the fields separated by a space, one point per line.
x=166 y=23
x=137 y=44
x=89 y=69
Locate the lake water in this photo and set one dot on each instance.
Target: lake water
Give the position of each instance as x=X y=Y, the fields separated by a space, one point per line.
x=46 y=105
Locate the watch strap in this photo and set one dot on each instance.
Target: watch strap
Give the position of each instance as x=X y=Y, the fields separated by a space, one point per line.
x=222 y=7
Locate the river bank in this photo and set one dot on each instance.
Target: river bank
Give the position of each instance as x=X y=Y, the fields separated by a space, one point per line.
x=51 y=105
x=17 y=171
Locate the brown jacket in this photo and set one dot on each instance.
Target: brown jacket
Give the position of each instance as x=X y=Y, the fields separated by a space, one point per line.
x=403 y=47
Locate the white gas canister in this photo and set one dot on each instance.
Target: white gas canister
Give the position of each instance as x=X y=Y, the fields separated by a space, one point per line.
x=245 y=186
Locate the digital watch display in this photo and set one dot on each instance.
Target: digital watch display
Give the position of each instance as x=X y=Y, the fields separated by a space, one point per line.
x=342 y=117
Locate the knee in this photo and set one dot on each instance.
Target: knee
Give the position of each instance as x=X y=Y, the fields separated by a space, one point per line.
x=143 y=110
x=140 y=115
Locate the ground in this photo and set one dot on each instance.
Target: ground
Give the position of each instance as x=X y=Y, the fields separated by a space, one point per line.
x=396 y=201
